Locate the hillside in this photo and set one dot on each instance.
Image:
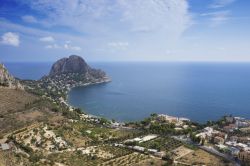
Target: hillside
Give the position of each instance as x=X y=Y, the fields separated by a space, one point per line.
x=7 y=80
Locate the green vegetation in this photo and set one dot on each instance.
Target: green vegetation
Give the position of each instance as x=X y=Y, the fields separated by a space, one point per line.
x=162 y=144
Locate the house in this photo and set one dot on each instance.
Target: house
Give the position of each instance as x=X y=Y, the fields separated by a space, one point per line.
x=221 y=134
x=207 y=134
x=139 y=148
x=230 y=127
x=152 y=150
x=244 y=140
x=241 y=146
x=241 y=124
x=159 y=154
x=5 y=146
x=244 y=156
x=229 y=119
x=184 y=119
x=233 y=138
x=219 y=140
x=231 y=143
x=115 y=124
x=169 y=119
x=148 y=138
x=221 y=147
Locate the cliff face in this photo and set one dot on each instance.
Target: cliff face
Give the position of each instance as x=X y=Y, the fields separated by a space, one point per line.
x=73 y=64
x=7 y=80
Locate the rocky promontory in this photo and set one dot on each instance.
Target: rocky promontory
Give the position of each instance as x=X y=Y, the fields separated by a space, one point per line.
x=65 y=74
x=76 y=65
x=7 y=80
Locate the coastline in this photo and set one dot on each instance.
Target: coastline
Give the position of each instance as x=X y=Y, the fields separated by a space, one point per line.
x=105 y=80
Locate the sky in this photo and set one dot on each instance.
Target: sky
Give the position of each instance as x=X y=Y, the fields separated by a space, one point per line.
x=125 y=30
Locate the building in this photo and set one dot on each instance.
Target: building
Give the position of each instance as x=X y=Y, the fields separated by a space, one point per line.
x=169 y=119
x=152 y=150
x=159 y=154
x=207 y=134
x=5 y=146
x=244 y=156
x=230 y=127
x=241 y=146
x=240 y=124
x=229 y=119
x=219 y=140
x=221 y=147
x=139 y=148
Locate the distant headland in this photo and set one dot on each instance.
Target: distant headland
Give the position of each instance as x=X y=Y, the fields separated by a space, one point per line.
x=65 y=74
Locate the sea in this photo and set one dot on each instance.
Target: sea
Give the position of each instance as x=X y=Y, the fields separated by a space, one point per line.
x=200 y=91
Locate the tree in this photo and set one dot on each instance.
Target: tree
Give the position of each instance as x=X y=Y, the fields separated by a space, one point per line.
x=104 y=121
x=78 y=110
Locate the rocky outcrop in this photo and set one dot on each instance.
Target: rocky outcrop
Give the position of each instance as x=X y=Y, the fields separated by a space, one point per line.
x=73 y=64
x=7 y=80
x=65 y=74
x=76 y=65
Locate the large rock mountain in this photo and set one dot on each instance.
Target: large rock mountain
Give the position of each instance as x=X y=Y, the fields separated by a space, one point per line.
x=73 y=64
x=7 y=80
x=65 y=74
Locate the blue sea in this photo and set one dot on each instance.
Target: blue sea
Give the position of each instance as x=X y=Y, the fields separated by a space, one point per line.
x=199 y=91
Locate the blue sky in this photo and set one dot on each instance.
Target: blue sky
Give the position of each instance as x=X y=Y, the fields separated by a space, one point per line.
x=125 y=30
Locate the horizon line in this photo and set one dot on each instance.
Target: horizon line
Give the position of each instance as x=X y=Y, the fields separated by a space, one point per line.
x=139 y=61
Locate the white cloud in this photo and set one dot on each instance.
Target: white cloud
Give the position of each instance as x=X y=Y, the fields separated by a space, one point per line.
x=29 y=19
x=66 y=46
x=102 y=16
x=171 y=16
x=217 y=18
x=47 y=39
x=115 y=44
x=221 y=3
x=118 y=45
x=11 y=39
x=52 y=46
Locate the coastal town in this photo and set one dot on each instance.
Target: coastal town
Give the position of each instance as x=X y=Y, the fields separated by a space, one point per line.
x=48 y=131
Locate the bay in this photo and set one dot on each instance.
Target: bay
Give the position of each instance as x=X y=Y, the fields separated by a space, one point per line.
x=196 y=90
